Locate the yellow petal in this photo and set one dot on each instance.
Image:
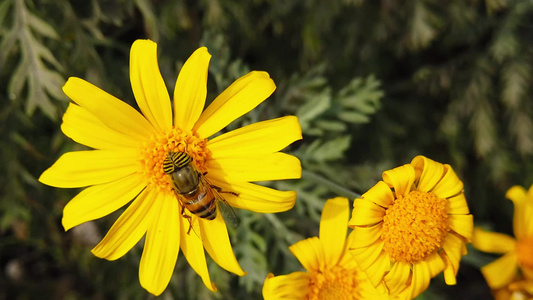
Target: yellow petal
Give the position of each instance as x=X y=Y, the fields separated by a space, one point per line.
x=457 y=205
x=492 y=242
x=193 y=250
x=113 y=112
x=374 y=293
x=400 y=178
x=239 y=98
x=366 y=213
x=161 y=246
x=293 y=286
x=148 y=86
x=100 y=200
x=372 y=260
x=265 y=167
x=129 y=227
x=365 y=235
x=259 y=138
x=84 y=168
x=217 y=244
x=527 y=226
x=435 y=264
x=501 y=271
x=422 y=273
x=449 y=270
x=380 y=194
x=255 y=197
x=453 y=246
x=530 y=197
x=517 y=194
x=346 y=259
x=462 y=225
x=420 y=280
x=310 y=253
x=464 y=251
x=449 y=186
x=523 y=211
x=396 y=279
x=191 y=89
x=405 y=294
x=333 y=228
x=347 y=262
x=367 y=255
x=431 y=172
x=85 y=128
x=453 y=249
x=376 y=270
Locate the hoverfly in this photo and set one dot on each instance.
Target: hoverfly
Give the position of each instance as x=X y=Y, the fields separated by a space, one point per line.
x=193 y=190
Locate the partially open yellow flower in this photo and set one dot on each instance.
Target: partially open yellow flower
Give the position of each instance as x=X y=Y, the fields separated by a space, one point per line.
x=515 y=290
x=411 y=226
x=131 y=148
x=331 y=271
x=517 y=252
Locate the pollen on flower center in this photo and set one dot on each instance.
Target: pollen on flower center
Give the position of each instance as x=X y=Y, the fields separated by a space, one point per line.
x=156 y=149
x=334 y=283
x=524 y=248
x=414 y=226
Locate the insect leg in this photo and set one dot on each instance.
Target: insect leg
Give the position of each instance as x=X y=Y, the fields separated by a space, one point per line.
x=220 y=190
x=186 y=216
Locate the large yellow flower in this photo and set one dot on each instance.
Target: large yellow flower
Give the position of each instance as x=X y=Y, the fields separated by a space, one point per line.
x=411 y=226
x=331 y=271
x=131 y=147
x=517 y=252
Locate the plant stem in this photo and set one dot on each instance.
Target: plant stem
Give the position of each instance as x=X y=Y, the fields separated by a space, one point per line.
x=330 y=184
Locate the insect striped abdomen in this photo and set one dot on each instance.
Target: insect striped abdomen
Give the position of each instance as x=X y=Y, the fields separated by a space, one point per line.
x=192 y=189
x=200 y=204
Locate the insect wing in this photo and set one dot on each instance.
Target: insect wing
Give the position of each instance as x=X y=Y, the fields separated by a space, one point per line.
x=227 y=212
x=223 y=206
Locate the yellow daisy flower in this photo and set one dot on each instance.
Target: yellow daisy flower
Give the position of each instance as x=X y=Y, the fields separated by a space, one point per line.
x=331 y=271
x=411 y=226
x=517 y=252
x=131 y=147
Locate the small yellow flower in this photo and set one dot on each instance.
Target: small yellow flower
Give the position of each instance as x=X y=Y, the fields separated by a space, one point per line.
x=516 y=290
x=131 y=147
x=331 y=271
x=517 y=252
x=411 y=226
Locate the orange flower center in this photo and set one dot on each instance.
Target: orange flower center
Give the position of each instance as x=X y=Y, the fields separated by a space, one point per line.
x=157 y=148
x=334 y=283
x=414 y=226
x=524 y=249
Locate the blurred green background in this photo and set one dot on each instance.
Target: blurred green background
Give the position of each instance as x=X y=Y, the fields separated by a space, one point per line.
x=374 y=84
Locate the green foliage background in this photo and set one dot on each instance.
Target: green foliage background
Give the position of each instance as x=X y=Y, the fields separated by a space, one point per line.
x=374 y=83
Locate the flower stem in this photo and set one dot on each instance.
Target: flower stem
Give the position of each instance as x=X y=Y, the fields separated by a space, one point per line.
x=290 y=237
x=337 y=188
